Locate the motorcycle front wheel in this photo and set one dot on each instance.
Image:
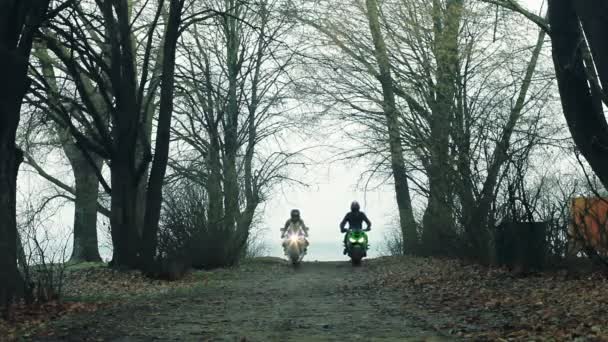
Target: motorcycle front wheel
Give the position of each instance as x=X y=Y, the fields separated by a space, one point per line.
x=294 y=256
x=356 y=254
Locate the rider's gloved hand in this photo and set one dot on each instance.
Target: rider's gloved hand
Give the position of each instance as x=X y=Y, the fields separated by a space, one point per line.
x=342 y=230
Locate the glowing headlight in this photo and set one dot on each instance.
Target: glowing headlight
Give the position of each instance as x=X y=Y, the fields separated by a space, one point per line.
x=361 y=240
x=353 y=240
x=293 y=238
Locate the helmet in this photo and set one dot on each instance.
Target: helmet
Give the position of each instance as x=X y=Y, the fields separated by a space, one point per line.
x=295 y=214
x=355 y=206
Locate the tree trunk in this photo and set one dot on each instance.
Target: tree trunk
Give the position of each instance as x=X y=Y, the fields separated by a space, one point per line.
x=86 y=188
x=85 y=248
x=438 y=231
x=163 y=134
x=143 y=145
x=583 y=111
x=404 y=203
x=462 y=139
x=10 y=158
x=18 y=22
x=125 y=183
x=214 y=179
x=12 y=89
x=126 y=116
x=125 y=237
x=592 y=14
x=231 y=126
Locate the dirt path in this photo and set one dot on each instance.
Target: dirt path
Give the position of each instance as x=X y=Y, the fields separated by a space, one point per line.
x=319 y=301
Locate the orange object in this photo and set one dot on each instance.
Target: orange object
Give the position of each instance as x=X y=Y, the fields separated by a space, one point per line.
x=589 y=224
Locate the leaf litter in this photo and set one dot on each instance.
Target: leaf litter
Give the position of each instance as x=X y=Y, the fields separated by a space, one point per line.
x=88 y=289
x=454 y=298
x=490 y=304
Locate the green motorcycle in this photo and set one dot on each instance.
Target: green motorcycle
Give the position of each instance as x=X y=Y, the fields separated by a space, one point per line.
x=356 y=245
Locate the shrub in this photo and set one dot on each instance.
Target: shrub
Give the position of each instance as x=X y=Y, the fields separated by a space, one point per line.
x=185 y=235
x=41 y=259
x=393 y=243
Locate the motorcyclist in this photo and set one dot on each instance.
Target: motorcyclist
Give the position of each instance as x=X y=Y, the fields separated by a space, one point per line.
x=355 y=219
x=294 y=219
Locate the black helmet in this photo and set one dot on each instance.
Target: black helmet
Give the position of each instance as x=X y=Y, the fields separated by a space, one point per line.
x=355 y=206
x=295 y=214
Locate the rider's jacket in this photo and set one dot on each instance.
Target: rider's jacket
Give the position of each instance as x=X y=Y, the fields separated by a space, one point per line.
x=355 y=220
x=298 y=222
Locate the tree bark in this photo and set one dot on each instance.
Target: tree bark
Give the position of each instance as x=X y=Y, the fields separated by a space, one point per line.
x=86 y=186
x=19 y=20
x=10 y=158
x=213 y=161
x=125 y=237
x=404 y=203
x=231 y=122
x=125 y=169
x=582 y=109
x=438 y=231
x=163 y=135
x=592 y=14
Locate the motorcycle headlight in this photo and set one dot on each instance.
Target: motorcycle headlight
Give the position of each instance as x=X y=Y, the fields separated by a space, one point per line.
x=361 y=240
x=353 y=240
x=293 y=238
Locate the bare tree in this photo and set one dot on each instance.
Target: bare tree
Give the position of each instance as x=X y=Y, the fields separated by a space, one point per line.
x=86 y=183
x=19 y=23
x=476 y=221
x=96 y=46
x=233 y=84
x=361 y=55
x=452 y=83
x=577 y=30
x=404 y=202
